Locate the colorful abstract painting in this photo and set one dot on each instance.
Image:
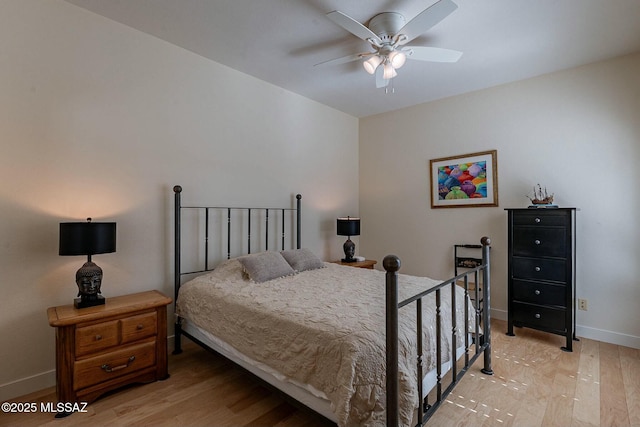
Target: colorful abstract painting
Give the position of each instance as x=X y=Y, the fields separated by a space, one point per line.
x=465 y=181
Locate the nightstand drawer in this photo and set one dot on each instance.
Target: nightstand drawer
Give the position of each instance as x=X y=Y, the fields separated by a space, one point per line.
x=138 y=327
x=539 y=269
x=539 y=317
x=539 y=293
x=93 y=338
x=539 y=241
x=107 y=366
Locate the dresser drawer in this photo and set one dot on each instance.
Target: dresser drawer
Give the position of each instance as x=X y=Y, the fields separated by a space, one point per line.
x=93 y=338
x=540 y=241
x=104 y=367
x=539 y=317
x=539 y=269
x=541 y=219
x=138 y=327
x=539 y=293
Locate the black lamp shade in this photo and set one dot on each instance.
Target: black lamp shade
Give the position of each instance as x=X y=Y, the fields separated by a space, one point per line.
x=348 y=226
x=87 y=238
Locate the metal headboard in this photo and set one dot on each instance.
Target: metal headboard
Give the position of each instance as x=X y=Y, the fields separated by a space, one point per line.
x=178 y=273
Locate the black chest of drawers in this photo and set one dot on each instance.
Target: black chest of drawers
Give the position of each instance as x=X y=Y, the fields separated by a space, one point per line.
x=541 y=269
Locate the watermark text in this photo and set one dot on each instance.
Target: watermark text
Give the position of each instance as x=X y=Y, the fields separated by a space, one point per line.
x=48 y=407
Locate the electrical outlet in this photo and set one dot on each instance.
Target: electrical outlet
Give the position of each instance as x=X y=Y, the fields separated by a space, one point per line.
x=582 y=304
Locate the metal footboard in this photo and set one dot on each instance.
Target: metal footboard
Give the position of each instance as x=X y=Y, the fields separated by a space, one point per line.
x=481 y=337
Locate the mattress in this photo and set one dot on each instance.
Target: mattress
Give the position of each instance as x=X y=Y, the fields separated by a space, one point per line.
x=322 y=331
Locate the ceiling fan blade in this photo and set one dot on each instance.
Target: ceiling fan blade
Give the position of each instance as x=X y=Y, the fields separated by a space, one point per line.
x=353 y=26
x=433 y=54
x=345 y=59
x=380 y=80
x=427 y=19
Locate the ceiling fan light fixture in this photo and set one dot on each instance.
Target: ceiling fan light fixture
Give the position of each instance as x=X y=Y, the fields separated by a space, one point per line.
x=371 y=64
x=389 y=71
x=388 y=34
x=397 y=59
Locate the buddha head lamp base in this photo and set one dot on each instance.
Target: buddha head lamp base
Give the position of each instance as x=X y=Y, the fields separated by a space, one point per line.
x=348 y=227
x=88 y=238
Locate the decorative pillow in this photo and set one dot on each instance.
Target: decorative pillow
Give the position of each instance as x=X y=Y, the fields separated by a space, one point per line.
x=228 y=269
x=302 y=259
x=265 y=266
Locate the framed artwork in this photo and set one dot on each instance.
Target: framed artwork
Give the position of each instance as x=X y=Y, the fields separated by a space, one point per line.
x=469 y=180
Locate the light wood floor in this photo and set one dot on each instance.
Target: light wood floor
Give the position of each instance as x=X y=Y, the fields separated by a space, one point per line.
x=535 y=384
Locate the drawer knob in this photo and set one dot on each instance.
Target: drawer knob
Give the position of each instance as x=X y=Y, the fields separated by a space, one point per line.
x=139 y=327
x=537 y=292
x=109 y=369
x=537 y=220
x=98 y=337
x=537 y=242
x=537 y=268
x=538 y=315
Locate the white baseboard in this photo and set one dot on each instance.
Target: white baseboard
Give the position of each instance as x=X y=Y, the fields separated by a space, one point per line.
x=34 y=383
x=27 y=385
x=608 y=336
x=499 y=314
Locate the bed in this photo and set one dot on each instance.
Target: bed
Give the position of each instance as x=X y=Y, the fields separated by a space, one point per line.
x=323 y=333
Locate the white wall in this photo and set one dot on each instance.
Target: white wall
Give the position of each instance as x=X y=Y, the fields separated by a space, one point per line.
x=577 y=132
x=97 y=119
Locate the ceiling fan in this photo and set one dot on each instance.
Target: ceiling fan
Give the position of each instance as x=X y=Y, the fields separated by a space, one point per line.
x=388 y=33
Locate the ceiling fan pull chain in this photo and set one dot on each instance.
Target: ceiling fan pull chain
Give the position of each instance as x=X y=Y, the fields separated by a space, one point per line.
x=390 y=89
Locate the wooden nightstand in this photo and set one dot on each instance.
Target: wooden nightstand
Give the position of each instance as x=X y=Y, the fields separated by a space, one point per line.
x=367 y=263
x=101 y=348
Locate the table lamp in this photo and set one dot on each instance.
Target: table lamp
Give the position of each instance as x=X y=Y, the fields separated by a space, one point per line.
x=348 y=227
x=88 y=238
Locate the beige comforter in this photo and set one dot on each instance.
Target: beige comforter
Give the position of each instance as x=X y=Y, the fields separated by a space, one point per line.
x=323 y=327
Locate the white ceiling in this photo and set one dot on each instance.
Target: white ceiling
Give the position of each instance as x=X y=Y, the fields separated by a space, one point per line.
x=279 y=41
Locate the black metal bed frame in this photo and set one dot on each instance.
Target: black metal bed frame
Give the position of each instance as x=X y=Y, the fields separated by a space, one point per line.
x=481 y=336
x=178 y=273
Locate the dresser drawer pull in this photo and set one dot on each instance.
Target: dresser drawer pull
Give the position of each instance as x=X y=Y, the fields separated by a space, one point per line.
x=537 y=269
x=140 y=327
x=537 y=220
x=537 y=292
x=537 y=242
x=538 y=316
x=98 y=337
x=109 y=369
